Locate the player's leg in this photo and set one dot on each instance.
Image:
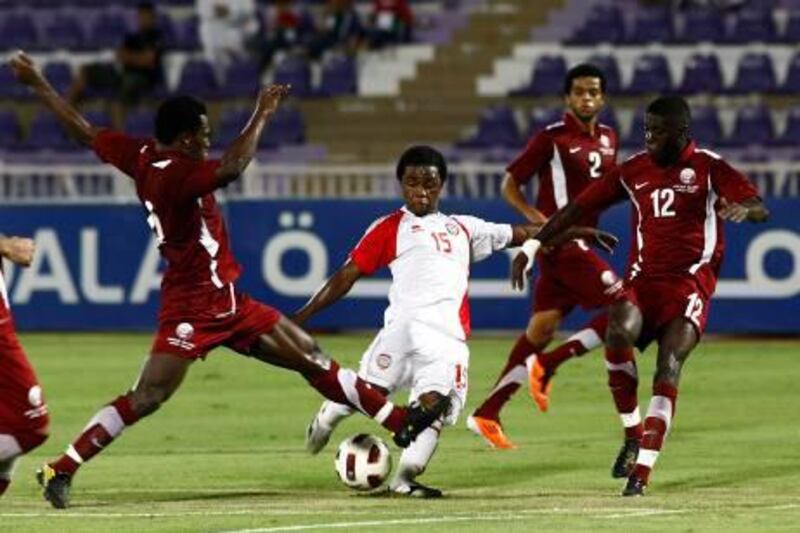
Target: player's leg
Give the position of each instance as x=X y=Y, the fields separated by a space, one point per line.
x=624 y=327
x=160 y=377
x=675 y=344
x=589 y=337
x=413 y=462
x=288 y=346
x=12 y=446
x=485 y=420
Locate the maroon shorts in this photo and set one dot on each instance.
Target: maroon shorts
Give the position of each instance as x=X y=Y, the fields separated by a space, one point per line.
x=220 y=318
x=573 y=274
x=663 y=300
x=22 y=405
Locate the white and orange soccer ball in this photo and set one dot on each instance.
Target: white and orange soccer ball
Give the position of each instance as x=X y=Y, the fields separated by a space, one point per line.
x=363 y=462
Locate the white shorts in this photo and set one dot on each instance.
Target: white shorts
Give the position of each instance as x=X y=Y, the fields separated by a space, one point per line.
x=412 y=355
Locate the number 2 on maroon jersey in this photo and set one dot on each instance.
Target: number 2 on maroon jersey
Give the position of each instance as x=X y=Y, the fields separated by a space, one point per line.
x=695 y=309
x=154 y=222
x=595 y=162
x=442 y=242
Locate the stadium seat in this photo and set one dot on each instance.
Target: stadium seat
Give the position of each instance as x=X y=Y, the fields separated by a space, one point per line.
x=496 y=127
x=63 y=33
x=609 y=118
x=140 y=123
x=547 y=77
x=791 y=34
x=634 y=139
x=754 y=74
x=19 y=31
x=706 y=128
x=791 y=133
x=604 y=24
x=792 y=82
x=46 y=134
x=296 y=71
x=701 y=74
x=541 y=117
x=753 y=126
x=608 y=64
x=339 y=76
x=753 y=25
x=230 y=124
x=9 y=87
x=59 y=74
x=187 y=34
x=652 y=25
x=198 y=79
x=9 y=129
x=241 y=80
x=703 y=25
x=99 y=119
x=108 y=30
x=286 y=127
x=650 y=75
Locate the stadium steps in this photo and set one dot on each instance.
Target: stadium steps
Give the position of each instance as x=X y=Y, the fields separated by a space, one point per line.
x=439 y=103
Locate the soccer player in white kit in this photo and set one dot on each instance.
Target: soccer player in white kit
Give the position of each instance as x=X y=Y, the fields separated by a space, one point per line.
x=422 y=346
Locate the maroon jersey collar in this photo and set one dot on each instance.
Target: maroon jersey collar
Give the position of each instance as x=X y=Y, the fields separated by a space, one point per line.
x=688 y=151
x=574 y=124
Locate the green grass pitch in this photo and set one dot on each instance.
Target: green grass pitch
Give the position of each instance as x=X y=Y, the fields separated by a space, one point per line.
x=226 y=453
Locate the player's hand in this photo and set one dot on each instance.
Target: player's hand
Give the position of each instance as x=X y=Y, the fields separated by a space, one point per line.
x=604 y=240
x=25 y=69
x=520 y=267
x=18 y=250
x=733 y=211
x=270 y=97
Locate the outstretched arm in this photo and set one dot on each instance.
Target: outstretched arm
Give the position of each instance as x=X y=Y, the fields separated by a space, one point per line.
x=332 y=291
x=242 y=150
x=27 y=72
x=18 y=250
x=513 y=195
x=752 y=210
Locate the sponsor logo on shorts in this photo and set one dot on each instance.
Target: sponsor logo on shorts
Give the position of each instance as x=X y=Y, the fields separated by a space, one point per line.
x=383 y=361
x=180 y=343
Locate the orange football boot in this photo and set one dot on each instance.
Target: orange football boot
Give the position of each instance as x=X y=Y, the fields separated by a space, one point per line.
x=491 y=431
x=539 y=384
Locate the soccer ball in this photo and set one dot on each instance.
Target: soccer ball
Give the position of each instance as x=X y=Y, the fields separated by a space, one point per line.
x=363 y=462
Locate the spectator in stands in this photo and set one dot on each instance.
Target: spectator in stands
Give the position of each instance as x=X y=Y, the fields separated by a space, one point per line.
x=287 y=29
x=390 y=23
x=226 y=29
x=137 y=69
x=342 y=29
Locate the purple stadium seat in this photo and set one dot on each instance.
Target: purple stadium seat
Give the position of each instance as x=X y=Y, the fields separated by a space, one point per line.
x=541 y=117
x=9 y=128
x=10 y=88
x=242 y=79
x=706 y=128
x=496 y=127
x=753 y=24
x=634 y=139
x=230 y=124
x=198 y=79
x=791 y=33
x=187 y=35
x=792 y=82
x=791 y=133
x=703 y=25
x=547 y=77
x=286 y=127
x=608 y=64
x=19 y=31
x=63 y=32
x=294 y=70
x=609 y=118
x=168 y=31
x=755 y=73
x=753 y=126
x=59 y=74
x=140 y=123
x=701 y=74
x=99 y=119
x=604 y=24
x=650 y=75
x=339 y=76
x=46 y=134
x=652 y=25
x=108 y=30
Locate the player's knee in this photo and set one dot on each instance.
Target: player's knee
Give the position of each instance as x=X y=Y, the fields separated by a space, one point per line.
x=619 y=334
x=429 y=400
x=668 y=370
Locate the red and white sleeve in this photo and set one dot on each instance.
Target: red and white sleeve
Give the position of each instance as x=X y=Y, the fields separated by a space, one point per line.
x=378 y=247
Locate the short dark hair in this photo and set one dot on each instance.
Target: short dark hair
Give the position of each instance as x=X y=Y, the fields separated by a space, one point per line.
x=422 y=156
x=146 y=6
x=670 y=107
x=178 y=115
x=584 y=70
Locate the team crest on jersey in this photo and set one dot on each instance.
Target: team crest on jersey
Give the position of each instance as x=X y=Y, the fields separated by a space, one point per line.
x=688 y=176
x=451 y=228
x=383 y=361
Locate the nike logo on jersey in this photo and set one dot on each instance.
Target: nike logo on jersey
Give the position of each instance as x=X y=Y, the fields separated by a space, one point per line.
x=162 y=164
x=575 y=149
x=638 y=186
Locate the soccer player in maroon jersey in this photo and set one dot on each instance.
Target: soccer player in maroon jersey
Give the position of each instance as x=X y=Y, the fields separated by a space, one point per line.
x=567 y=156
x=200 y=305
x=681 y=196
x=23 y=411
